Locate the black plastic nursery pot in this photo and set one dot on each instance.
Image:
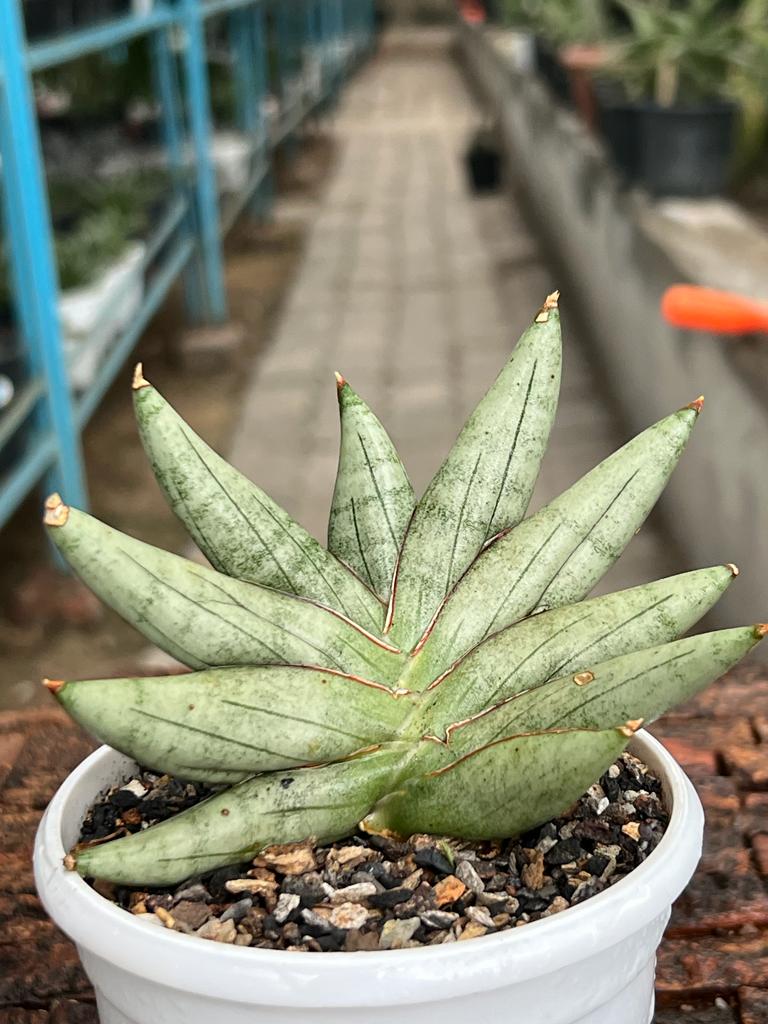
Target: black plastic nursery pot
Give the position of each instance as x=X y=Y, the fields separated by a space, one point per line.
x=617 y=123
x=483 y=163
x=89 y=12
x=685 y=150
x=43 y=18
x=551 y=70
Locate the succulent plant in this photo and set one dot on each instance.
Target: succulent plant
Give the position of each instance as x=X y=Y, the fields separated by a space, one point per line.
x=436 y=669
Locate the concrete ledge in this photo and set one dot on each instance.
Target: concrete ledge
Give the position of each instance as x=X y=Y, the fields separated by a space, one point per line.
x=618 y=251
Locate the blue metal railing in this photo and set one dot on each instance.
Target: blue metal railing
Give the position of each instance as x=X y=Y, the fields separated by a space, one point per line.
x=186 y=242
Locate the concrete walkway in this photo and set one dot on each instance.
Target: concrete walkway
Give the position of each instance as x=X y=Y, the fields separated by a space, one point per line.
x=416 y=292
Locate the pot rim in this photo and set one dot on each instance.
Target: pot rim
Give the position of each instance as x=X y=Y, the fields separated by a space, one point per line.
x=296 y=979
x=701 y=108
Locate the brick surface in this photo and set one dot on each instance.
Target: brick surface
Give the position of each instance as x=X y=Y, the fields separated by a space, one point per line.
x=711 y=967
x=712 y=1014
x=753 y=1004
x=744 y=691
x=753 y=817
x=10 y=748
x=749 y=764
x=760 y=850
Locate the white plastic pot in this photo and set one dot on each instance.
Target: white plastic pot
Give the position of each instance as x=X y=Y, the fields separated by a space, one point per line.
x=231 y=154
x=591 y=964
x=519 y=49
x=93 y=316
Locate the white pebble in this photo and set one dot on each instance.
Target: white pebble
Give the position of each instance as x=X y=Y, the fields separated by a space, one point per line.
x=354 y=893
x=135 y=787
x=466 y=873
x=349 y=916
x=397 y=933
x=286 y=904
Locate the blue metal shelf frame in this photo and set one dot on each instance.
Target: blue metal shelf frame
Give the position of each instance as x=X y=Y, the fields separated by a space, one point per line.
x=187 y=242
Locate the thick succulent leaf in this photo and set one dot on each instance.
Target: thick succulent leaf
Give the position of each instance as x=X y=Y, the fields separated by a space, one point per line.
x=566 y=640
x=373 y=499
x=205 y=618
x=642 y=685
x=502 y=789
x=221 y=725
x=557 y=555
x=238 y=527
x=233 y=826
x=486 y=481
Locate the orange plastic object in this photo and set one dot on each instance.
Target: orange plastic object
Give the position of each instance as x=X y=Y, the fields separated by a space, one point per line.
x=706 y=309
x=473 y=12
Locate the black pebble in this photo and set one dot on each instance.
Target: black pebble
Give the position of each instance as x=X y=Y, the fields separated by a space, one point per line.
x=218 y=878
x=597 y=864
x=530 y=902
x=564 y=852
x=390 y=897
x=124 y=799
x=432 y=858
x=332 y=941
x=389 y=847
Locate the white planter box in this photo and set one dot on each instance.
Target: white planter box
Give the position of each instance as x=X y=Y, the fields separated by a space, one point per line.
x=518 y=48
x=231 y=155
x=591 y=964
x=93 y=316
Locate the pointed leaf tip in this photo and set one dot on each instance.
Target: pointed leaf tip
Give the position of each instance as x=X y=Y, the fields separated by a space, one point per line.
x=139 y=381
x=56 y=512
x=697 y=405
x=550 y=303
x=340 y=380
x=761 y=630
x=53 y=685
x=630 y=728
x=734 y=568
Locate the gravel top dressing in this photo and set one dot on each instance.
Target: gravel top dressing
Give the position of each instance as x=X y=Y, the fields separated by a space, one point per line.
x=368 y=892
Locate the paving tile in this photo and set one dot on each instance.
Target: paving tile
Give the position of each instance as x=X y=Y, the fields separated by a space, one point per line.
x=760 y=852
x=749 y=764
x=10 y=748
x=753 y=1005
x=720 y=1013
x=753 y=818
x=712 y=966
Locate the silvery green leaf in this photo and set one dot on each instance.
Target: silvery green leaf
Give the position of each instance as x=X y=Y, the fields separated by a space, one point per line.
x=642 y=685
x=486 y=481
x=502 y=789
x=238 y=527
x=233 y=826
x=373 y=498
x=222 y=724
x=568 y=639
x=557 y=555
x=205 y=618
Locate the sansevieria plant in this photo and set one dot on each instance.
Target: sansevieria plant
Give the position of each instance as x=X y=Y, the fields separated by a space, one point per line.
x=437 y=669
